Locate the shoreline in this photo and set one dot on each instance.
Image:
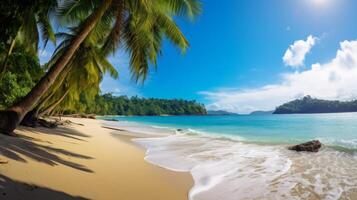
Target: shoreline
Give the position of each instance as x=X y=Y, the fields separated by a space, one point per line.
x=108 y=160
x=83 y=162
x=236 y=169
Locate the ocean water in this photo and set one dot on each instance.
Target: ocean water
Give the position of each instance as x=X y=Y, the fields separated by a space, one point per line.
x=246 y=157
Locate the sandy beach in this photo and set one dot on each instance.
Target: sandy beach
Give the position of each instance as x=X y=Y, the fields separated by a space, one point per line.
x=83 y=162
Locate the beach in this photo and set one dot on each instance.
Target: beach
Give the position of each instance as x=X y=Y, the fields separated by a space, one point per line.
x=125 y=158
x=248 y=157
x=83 y=160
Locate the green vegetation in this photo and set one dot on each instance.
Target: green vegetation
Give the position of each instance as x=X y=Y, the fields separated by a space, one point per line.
x=93 y=30
x=111 y=105
x=312 y=105
x=23 y=71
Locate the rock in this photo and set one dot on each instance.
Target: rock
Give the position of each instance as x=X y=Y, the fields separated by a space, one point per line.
x=311 y=146
x=179 y=129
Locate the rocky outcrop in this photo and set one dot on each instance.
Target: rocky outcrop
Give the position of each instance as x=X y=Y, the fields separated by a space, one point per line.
x=311 y=146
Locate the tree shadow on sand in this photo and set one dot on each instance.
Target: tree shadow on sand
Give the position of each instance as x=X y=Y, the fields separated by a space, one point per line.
x=16 y=148
x=59 y=131
x=12 y=189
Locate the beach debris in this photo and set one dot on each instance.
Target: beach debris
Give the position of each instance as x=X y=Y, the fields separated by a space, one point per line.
x=47 y=124
x=86 y=116
x=35 y=122
x=112 y=120
x=311 y=146
x=3 y=162
x=91 y=116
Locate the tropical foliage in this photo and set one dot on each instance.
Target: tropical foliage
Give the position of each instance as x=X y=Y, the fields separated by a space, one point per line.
x=110 y=105
x=92 y=31
x=22 y=73
x=312 y=105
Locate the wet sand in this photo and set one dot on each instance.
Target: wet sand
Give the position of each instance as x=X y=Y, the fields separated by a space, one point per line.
x=88 y=162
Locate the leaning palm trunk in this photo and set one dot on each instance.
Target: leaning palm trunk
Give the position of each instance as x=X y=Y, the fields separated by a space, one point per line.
x=50 y=108
x=11 y=118
x=33 y=115
x=4 y=65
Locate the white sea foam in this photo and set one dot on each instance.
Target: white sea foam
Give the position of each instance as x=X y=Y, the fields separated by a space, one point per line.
x=219 y=167
x=140 y=128
x=226 y=168
x=231 y=170
x=348 y=144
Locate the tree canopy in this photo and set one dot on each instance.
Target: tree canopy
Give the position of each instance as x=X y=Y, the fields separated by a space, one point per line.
x=93 y=30
x=108 y=104
x=22 y=73
x=313 y=105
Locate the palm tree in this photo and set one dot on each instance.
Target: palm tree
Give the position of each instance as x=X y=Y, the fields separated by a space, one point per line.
x=87 y=69
x=29 y=20
x=139 y=26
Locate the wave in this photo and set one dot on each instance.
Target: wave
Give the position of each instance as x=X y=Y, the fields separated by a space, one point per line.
x=140 y=128
x=349 y=146
x=215 y=164
x=230 y=170
x=229 y=167
x=337 y=144
x=344 y=145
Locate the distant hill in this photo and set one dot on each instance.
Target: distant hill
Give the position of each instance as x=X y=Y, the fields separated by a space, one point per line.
x=312 y=105
x=220 y=112
x=259 y=112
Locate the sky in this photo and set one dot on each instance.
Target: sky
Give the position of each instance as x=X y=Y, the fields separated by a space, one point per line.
x=253 y=55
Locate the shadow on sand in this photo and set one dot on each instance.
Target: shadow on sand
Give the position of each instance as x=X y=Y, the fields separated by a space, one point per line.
x=60 y=131
x=16 y=148
x=12 y=189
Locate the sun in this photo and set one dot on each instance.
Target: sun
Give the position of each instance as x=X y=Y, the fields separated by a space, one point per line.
x=320 y=3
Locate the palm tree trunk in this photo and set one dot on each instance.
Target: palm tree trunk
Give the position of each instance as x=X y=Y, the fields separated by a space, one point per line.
x=3 y=69
x=54 y=105
x=31 y=117
x=50 y=92
x=11 y=118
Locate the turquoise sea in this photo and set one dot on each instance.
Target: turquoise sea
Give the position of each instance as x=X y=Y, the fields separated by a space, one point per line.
x=246 y=157
x=338 y=129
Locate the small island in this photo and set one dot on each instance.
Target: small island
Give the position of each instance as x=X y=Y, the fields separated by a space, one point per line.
x=312 y=105
x=220 y=112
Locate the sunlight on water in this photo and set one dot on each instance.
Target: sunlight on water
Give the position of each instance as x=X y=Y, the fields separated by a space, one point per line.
x=246 y=157
x=333 y=129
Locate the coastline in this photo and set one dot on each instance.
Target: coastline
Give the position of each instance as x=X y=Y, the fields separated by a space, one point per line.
x=83 y=162
x=222 y=166
x=98 y=159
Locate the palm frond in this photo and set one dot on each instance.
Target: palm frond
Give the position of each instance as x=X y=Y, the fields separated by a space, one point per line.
x=46 y=30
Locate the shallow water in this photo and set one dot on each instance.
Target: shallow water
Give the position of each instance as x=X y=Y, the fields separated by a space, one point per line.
x=246 y=157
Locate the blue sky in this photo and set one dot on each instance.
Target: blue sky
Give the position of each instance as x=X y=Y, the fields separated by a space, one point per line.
x=235 y=61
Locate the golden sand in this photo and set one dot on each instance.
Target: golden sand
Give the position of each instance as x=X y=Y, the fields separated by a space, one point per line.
x=83 y=162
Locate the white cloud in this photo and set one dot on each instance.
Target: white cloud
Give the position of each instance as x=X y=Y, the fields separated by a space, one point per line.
x=335 y=79
x=295 y=55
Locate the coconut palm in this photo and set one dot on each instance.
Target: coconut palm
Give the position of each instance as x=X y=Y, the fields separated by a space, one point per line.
x=84 y=72
x=87 y=69
x=26 y=21
x=138 y=25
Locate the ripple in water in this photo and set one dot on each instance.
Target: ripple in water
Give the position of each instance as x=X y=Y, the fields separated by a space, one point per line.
x=231 y=170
